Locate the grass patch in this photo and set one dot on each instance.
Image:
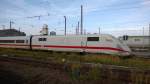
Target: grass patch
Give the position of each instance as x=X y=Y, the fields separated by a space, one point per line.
x=140 y=63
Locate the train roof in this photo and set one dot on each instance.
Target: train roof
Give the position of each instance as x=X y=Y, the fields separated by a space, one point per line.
x=75 y=35
x=135 y=36
x=88 y=35
x=14 y=36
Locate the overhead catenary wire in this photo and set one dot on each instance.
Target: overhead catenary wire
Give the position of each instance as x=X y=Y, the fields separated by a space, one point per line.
x=104 y=9
x=123 y=6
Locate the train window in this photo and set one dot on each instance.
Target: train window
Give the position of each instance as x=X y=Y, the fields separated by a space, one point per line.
x=7 y=41
x=93 y=39
x=125 y=37
x=19 y=41
x=42 y=39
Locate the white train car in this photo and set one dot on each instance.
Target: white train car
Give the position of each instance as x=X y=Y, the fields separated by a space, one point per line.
x=136 y=42
x=74 y=43
x=81 y=43
x=15 y=42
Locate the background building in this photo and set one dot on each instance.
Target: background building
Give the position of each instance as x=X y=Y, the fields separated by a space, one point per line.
x=11 y=32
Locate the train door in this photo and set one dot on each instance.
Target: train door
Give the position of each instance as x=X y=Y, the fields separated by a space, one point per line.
x=29 y=41
x=83 y=44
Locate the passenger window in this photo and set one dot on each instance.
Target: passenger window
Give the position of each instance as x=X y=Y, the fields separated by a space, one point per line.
x=7 y=41
x=19 y=41
x=42 y=39
x=93 y=39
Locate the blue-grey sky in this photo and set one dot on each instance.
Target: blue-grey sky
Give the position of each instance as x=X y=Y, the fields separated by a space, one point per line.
x=116 y=17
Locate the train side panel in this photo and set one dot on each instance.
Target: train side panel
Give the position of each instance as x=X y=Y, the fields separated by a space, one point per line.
x=104 y=44
x=15 y=42
x=80 y=43
x=58 y=43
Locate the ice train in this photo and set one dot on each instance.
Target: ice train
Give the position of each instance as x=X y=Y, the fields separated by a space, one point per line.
x=103 y=43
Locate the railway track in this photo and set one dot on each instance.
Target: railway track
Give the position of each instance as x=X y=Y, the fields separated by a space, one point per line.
x=53 y=64
x=34 y=62
x=42 y=77
x=145 y=55
x=108 y=71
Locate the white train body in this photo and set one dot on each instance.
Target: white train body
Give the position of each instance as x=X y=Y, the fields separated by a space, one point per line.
x=15 y=42
x=73 y=43
x=137 y=42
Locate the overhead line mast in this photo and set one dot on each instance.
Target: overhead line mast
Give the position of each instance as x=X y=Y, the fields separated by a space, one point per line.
x=65 y=25
x=81 y=20
x=149 y=36
x=11 y=22
x=78 y=27
x=99 y=30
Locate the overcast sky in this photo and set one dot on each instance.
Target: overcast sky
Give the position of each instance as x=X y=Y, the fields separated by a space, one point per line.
x=116 y=17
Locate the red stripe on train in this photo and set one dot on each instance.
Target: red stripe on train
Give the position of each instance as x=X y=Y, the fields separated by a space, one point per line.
x=13 y=45
x=82 y=47
x=56 y=46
